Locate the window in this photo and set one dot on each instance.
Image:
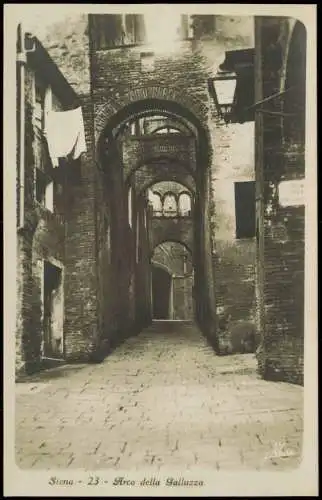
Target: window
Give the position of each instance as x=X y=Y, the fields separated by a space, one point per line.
x=53 y=315
x=117 y=30
x=184 y=205
x=147 y=62
x=245 y=209
x=167 y=130
x=187 y=27
x=44 y=190
x=155 y=201
x=203 y=25
x=40 y=94
x=170 y=205
x=47 y=192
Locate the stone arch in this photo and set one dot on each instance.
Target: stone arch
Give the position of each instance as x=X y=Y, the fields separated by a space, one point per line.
x=169 y=193
x=161 y=266
x=186 y=181
x=162 y=163
x=185 y=244
x=147 y=111
x=166 y=100
x=109 y=110
x=175 y=148
x=172 y=229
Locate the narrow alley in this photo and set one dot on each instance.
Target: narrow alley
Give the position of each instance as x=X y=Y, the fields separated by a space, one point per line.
x=160 y=242
x=161 y=399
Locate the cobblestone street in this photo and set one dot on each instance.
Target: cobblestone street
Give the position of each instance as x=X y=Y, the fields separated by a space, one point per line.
x=161 y=399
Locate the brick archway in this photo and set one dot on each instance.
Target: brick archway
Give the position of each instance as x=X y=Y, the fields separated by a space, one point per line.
x=159 y=99
x=172 y=229
x=151 y=176
x=179 y=241
x=107 y=110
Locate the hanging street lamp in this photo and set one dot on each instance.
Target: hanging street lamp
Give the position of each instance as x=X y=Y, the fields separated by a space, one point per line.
x=222 y=88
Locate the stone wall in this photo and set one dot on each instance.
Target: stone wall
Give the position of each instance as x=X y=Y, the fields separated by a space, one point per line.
x=42 y=238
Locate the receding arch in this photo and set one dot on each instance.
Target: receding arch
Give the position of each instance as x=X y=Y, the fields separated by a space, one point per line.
x=161 y=266
x=116 y=112
x=167 y=102
x=174 y=296
x=171 y=240
x=162 y=163
x=186 y=181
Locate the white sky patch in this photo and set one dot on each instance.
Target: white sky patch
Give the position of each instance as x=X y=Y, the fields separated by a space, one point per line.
x=163 y=28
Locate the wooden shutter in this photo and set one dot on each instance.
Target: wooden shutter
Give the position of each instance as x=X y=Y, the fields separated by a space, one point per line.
x=245 y=209
x=184 y=27
x=108 y=31
x=134 y=29
x=204 y=25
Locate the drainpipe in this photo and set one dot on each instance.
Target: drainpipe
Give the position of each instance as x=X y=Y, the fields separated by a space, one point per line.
x=21 y=62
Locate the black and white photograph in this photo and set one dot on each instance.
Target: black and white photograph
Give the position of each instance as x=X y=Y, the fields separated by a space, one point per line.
x=163 y=264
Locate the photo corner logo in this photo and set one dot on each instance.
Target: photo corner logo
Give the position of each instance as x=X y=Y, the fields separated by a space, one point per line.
x=280 y=450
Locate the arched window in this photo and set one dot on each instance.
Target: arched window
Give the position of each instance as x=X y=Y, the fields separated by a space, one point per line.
x=170 y=208
x=167 y=130
x=184 y=204
x=155 y=200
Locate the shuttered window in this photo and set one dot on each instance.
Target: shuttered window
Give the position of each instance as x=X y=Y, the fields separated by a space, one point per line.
x=117 y=30
x=245 y=209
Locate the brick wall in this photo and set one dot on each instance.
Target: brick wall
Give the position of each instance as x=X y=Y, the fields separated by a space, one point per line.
x=281 y=352
x=42 y=238
x=234 y=259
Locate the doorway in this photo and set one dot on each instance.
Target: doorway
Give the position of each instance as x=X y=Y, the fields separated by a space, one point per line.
x=161 y=293
x=53 y=311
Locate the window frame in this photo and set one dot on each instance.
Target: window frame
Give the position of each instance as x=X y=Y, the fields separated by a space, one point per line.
x=243 y=232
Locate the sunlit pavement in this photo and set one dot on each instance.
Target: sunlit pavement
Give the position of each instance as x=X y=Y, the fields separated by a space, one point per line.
x=162 y=399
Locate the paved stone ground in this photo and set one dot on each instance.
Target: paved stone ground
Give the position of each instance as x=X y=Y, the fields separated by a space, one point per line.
x=161 y=399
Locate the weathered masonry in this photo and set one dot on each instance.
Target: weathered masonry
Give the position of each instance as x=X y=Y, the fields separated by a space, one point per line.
x=280 y=176
x=171 y=213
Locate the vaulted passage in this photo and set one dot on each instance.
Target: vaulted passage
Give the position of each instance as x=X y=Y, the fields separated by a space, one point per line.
x=172 y=280
x=154 y=156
